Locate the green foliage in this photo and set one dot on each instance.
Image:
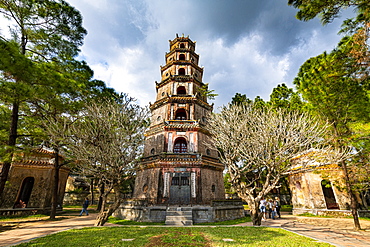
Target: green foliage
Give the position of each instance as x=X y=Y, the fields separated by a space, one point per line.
x=207 y=93
x=329 y=83
x=44 y=29
x=228 y=222
x=33 y=217
x=118 y=221
x=284 y=97
x=328 y=10
x=286 y=208
x=240 y=99
x=227 y=184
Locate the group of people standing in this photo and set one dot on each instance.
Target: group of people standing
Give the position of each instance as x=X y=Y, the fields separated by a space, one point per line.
x=272 y=207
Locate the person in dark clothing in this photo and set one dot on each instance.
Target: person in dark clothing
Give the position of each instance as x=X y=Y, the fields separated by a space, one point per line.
x=84 y=206
x=278 y=206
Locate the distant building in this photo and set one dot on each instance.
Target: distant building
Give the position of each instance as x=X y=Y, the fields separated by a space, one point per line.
x=318 y=189
x=30 y=181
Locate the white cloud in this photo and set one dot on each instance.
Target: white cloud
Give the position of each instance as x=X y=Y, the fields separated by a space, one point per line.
x=245 y=46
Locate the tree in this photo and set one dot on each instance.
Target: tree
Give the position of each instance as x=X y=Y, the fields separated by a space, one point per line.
x=284 y=97
x=338 y=93
x=257 y=144
x=207 y=93
x=48 y=30
x=329 y=10
x=240 y=99
x=108 y=141
x=57 y=128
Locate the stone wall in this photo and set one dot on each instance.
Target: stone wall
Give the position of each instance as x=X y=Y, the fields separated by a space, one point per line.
x=138 y=211
x=307 y=192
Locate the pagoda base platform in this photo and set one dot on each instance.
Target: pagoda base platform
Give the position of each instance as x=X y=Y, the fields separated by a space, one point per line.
x=139 y=210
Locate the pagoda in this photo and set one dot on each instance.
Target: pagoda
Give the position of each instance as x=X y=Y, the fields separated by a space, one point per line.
x=180 y=178
x=178 y=167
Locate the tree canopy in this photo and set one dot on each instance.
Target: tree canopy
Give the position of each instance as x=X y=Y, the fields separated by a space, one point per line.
x=337 y=88
x=108 y=140
x=256 y=145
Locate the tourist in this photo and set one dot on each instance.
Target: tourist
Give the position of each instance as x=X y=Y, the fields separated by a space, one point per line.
x=84 y=206
x=270 y=206
x=277 y=206
x=263 y=208
x=20 y=204
x=273 y=209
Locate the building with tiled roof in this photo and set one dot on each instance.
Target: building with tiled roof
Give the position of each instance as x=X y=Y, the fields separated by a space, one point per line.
x=317 y=188
x=30 y=182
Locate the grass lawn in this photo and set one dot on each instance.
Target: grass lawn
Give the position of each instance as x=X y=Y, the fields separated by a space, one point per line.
x=174 y=237
x=33 y=217
x=118 y=221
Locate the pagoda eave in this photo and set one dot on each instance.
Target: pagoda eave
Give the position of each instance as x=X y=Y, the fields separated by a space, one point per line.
x=174 y=160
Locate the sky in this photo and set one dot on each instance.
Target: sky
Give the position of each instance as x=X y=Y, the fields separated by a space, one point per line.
x=245 y=46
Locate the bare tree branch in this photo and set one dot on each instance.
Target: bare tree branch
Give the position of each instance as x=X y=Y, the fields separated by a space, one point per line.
x=258 y=144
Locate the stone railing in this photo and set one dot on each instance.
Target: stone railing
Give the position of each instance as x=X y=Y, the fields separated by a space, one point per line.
x=173 y=157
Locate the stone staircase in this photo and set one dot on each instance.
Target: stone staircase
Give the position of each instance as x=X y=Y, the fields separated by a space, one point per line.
x=179 y=216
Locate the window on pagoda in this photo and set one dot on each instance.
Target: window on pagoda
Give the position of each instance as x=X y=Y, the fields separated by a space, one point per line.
x=180 y=146
x=182 y=45
x=181 y=90
x=182 y=57
x=182 y=71
x=180 y=114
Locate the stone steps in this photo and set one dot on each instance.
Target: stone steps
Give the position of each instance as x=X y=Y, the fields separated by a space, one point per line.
x=179 y=216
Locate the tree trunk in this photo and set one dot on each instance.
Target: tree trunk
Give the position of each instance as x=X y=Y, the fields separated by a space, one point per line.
x=92 y=191
x=13 y=134
x=353 y=199
x=101 y=199
x=104 y=215
x=54 y=198
x=364 y=199
x=256 y=215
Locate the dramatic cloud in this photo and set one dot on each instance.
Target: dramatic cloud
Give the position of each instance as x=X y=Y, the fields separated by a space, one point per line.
x=245 y=46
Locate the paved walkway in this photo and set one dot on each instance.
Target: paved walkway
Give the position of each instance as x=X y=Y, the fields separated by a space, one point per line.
x=337 y=232
x=42 y=228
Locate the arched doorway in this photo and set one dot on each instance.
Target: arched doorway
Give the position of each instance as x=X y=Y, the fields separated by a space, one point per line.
x=25 y=192
x=181 y=71
x=329 y=196
x=182 y=57
x=180 y=145
x=180 y=114
x=181 y=90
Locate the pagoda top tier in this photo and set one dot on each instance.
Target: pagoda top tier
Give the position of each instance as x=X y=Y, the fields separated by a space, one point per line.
x=181 y=64
x=182 y=43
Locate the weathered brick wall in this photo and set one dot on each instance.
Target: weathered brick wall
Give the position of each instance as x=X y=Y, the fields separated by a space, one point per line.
x=146 y=184
x=307 y=192
x=155 y=142
x=211 y=185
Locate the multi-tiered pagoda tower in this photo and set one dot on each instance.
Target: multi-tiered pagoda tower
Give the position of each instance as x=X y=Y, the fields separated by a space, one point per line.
x=178 y=167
